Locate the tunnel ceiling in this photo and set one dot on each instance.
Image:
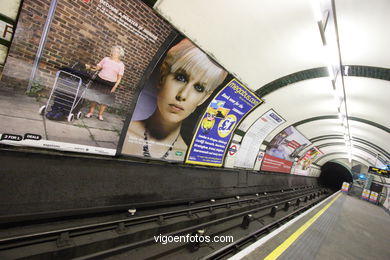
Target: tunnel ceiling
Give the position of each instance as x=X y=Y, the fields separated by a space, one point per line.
x=275 y=47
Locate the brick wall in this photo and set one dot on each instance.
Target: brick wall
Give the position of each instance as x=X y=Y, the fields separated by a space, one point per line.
x=80 y=32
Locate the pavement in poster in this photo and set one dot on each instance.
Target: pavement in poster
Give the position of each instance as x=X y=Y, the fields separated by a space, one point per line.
x=19 y=114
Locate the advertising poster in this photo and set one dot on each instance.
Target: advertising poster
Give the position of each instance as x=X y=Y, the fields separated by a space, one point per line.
x=365 y=194
x=345 y=187
x=374 y=197
x=283 y=149
x=73 y=93
x=302 y=167
x=254 y=137
x=170 y=103
x=214 y=131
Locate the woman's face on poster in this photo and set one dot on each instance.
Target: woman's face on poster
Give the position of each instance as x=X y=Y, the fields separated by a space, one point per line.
x=179 y=95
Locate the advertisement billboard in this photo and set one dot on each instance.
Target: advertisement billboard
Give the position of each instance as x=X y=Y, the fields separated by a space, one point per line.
x=71 y=87
x=217 y=124
x=373 y=197
x=365 y=194
x=283 y=149
x=302 y=166
x=345 y=187
x=183 y=80
x=254 y=137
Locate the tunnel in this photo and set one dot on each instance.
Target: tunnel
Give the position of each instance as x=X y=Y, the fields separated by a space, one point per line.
x=333 y=175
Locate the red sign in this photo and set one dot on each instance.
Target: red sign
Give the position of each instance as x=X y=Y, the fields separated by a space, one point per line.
x=275 y=164
x=87 y=1
x=232 y=149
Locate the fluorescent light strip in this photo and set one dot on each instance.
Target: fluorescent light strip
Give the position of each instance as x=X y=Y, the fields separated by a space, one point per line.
x=332 y=55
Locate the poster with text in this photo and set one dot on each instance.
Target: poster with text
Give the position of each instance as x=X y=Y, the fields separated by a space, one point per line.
x=71 y=89
x=254 y=137
x=283 y=149
x=302 y=166
x=214 y=131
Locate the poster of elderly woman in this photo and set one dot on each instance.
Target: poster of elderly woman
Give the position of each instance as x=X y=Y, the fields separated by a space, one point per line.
x=68 y=81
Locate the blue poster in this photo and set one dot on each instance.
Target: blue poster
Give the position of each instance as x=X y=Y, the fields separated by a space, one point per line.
x=224 y=113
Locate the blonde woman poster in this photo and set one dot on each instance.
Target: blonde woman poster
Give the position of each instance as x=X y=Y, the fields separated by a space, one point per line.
x=184 y=79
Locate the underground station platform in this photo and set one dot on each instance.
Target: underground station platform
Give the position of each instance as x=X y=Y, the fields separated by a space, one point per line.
x=227 y=137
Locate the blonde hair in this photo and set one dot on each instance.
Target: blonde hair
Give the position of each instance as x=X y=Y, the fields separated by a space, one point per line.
x=185 y=55
x=121 y=50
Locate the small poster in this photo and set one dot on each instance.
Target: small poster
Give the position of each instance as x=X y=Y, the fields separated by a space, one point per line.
x=254 y=137
x=345 y=187
x=374 y=197
x=366 y=194
x=303 y=165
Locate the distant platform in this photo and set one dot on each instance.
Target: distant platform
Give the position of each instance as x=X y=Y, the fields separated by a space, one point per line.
x=342 y=227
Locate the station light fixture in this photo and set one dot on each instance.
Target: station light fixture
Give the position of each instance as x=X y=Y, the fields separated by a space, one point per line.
x=324 y=16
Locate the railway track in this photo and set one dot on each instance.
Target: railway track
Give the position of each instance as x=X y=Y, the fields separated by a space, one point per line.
x=246 y=218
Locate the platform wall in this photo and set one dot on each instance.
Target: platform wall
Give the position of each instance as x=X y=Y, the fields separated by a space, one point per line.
x=47 y=184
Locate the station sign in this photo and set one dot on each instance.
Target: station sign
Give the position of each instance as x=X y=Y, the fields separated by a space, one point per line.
x=379 y=172
x=233 y=149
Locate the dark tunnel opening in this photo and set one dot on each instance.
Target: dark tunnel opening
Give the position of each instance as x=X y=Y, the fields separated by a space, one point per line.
x=333 y=175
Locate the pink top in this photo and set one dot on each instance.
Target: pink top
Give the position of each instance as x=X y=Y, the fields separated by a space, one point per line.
x=111 y=69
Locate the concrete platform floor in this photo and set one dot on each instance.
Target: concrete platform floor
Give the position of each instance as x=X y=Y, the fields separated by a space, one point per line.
x=349 y=229
x=19 y=115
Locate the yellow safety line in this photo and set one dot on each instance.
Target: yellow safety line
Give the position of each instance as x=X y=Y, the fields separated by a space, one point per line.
x=280 y=249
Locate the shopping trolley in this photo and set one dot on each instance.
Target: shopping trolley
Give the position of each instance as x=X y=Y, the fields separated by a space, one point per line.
x=67 y=95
